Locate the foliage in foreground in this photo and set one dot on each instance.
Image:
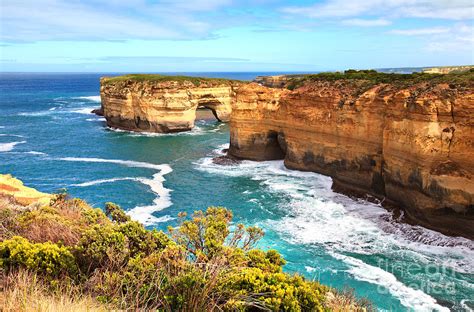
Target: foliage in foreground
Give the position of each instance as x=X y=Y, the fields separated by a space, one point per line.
x=206 y=263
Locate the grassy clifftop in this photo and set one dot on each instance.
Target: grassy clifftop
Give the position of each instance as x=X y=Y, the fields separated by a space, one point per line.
x=373 y=77
x=164 y=78
x=67 y=255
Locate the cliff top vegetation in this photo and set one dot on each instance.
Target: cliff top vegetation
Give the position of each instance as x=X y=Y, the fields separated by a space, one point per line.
x=373 y=77
x=67 y=255
x=165 y=78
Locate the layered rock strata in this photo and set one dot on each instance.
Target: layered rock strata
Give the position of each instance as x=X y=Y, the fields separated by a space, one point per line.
x=163 y=105
x=412 y=146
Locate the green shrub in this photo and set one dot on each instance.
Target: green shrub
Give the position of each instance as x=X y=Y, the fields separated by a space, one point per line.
x=270 y=261
x=116 y=213
x=206 y=233
x=141 y=241
x=46 y=258
x=276 y=291
x=102 y=245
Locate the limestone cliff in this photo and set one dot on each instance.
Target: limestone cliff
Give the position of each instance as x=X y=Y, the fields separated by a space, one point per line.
x=447 y=69
x=155 y=103
x=409 y=143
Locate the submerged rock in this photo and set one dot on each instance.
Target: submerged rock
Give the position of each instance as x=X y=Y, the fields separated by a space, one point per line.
x=98 y=111
x=227 y=159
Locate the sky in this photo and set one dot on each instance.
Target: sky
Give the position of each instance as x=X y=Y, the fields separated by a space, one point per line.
x=232 y=35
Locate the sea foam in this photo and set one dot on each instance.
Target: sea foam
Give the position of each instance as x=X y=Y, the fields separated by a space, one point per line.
x=83 y=110
x=11 y=135
x=6 y=147
x=409 y=297
x=102 y=181
x=315 y=215
x=36 y=153
x=143 y=214
x=92 y=98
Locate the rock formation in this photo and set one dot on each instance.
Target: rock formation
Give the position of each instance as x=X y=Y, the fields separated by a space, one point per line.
x=154 y=103
x=447 y=69
x=407 y=143
x=9 y=186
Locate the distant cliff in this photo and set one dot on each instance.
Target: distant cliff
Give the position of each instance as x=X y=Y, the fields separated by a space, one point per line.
x=405 y=139
x=156 y=103
x=448 y=69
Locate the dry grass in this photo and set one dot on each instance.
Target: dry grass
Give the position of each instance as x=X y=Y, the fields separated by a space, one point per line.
x=23 y=291
x=8 y=211
x=60 y=222
x=346 y=301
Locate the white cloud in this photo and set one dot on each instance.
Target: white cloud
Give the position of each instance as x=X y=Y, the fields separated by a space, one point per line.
x=366 y=22
x=441 y=9
x=420 y=31
x=460 y=37
x=30 y=20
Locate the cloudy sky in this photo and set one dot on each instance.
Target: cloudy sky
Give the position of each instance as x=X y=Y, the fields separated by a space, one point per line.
x=233 y=35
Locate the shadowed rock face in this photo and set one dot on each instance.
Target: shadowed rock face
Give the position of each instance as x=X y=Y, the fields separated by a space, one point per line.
x=163 y=106
x=411 y=146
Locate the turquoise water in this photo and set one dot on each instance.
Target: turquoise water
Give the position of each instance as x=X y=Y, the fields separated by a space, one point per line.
x=49 y=139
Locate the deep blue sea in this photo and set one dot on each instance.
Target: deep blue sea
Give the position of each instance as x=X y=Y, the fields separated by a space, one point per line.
x=50 y=140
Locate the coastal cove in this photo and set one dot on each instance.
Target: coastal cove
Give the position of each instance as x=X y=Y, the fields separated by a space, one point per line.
x=49 y=139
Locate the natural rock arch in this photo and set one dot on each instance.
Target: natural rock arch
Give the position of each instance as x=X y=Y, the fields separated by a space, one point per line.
x=163 y=106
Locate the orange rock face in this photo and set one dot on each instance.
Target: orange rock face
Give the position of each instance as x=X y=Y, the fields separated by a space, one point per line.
x=163 y=106
x=410 y=146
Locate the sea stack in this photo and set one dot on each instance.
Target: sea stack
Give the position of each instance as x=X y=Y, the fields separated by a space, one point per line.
x=156 y=103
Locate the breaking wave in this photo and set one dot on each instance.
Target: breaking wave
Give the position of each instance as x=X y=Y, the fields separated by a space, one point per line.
x=143 y=214
x=93 y=98
x=6 y=147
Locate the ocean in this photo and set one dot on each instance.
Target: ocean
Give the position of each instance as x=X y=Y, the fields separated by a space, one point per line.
x=50 y=140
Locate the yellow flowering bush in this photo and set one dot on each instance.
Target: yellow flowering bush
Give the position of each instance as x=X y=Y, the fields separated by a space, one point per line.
x=48 y=258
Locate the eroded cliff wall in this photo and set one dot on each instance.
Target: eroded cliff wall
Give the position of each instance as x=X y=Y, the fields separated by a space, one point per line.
x=165 y=104
x=409 y=145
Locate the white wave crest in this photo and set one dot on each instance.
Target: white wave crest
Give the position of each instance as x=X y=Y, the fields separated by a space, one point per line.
x=36 y=153
x=102 y=181
x=93 y=98
x=409 y=297
x=6 y=147
x=143 y=214
x=165 y=169
x=35 y=114
x=11 y=135
x=101 y=119
x=83 y=110
x=194 y=131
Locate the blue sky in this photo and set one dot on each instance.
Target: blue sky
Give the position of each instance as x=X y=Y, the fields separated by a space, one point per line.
x=231 y=35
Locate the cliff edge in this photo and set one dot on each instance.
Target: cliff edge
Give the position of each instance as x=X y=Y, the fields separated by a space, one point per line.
x=405 y=139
